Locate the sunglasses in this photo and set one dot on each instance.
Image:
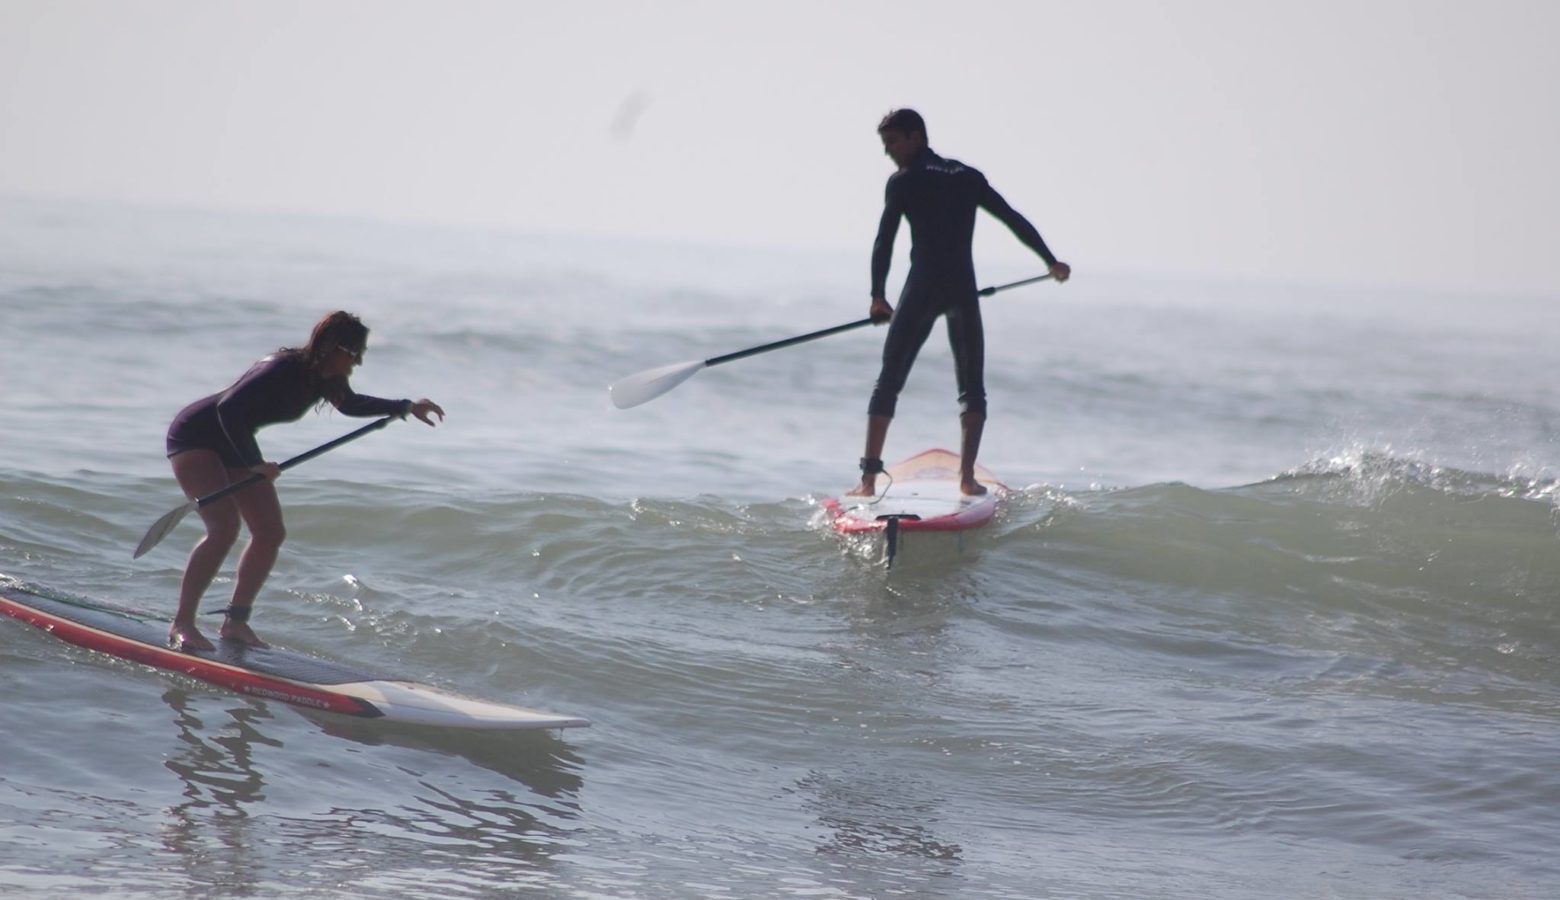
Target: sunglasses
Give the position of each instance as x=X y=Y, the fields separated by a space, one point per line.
x=357 y=355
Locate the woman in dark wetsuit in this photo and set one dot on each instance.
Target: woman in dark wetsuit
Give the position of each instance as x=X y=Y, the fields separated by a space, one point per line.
x=940 y=197
x=211 y=444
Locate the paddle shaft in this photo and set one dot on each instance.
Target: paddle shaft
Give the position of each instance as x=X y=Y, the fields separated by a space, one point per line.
x=813 y=336
x=307 y=455
x=172 y=518
x=765 y=348
x=987 y=292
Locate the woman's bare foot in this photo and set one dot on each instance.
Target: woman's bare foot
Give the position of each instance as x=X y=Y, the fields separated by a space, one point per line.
x=242 y=633
x=187 y=639
x=867 y=488
x=970 y=487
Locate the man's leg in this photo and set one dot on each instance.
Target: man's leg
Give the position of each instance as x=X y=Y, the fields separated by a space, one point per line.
x=877 y=433
x=967 y=337
x=971 y=424
x=907 y=331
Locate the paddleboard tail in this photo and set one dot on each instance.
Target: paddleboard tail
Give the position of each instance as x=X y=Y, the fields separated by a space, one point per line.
x=924 y=494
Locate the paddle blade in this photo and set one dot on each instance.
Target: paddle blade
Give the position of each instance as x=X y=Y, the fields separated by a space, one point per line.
x=162 y=527
x=652 y=383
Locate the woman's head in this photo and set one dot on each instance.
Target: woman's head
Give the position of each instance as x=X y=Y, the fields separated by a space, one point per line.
x=337 y=344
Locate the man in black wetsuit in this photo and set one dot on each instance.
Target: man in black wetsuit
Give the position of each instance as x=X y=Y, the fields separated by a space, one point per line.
x=939 y=196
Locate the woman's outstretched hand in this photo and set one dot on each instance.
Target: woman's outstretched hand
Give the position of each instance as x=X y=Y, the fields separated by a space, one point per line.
x=425 y=409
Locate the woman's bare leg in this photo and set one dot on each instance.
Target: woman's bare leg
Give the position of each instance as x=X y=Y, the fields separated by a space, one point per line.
x=262 y=515
x=200 y=472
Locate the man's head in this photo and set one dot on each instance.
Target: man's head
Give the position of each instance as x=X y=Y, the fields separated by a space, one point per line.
x=904 y=135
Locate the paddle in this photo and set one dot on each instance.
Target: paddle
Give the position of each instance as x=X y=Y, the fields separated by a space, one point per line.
x=163 y=526
x=652 y=383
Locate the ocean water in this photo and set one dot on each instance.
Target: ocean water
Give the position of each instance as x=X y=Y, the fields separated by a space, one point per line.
x=1271 y=609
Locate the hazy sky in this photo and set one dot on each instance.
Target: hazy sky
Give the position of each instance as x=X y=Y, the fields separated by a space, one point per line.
x=1371 y=141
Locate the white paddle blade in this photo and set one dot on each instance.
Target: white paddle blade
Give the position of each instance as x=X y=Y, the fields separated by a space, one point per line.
x=651 y=383
x=161 y=527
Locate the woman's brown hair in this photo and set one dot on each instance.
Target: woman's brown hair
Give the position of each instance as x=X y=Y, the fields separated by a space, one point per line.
x=339 y=329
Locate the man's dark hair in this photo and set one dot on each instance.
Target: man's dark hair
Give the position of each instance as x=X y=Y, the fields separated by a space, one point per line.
x=905 y=120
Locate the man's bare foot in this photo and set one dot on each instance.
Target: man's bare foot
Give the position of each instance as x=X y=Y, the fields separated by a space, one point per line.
x=867 y=488
x=187 y=639
x=242 y=633
x=969 y=487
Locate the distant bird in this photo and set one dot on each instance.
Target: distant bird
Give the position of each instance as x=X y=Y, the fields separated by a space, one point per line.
x=626 y=119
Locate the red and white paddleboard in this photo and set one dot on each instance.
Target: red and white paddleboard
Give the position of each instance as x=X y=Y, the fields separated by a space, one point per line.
x=918 y=494
x=271 y=674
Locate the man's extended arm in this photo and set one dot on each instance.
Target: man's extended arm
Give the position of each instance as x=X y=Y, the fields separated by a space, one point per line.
x=992 y=202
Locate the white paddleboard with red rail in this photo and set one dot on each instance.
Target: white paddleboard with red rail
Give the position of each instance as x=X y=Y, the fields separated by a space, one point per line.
x=271 y=674
x=920 y=494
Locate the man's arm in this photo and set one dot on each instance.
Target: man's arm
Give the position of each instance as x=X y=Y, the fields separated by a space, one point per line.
x=883 y=247
x=992 y=202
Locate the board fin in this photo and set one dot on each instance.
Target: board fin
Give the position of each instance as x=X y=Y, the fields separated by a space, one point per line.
x=891 y=533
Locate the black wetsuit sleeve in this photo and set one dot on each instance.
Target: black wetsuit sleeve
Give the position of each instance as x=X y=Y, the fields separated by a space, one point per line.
x=992 y=202
x=888 y=227
x=350 y=403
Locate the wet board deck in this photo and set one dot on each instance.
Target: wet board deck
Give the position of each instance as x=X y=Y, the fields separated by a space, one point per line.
x=272 y=674
x=923 y=496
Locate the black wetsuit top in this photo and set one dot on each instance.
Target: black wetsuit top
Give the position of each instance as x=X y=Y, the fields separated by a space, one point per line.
x=278 y=388
x=940 y=197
